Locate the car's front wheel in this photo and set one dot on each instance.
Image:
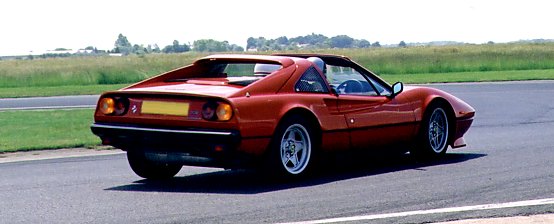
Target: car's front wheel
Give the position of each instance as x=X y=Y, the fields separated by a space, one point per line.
x=434 y=133
x=149 y=169
x=292 y=147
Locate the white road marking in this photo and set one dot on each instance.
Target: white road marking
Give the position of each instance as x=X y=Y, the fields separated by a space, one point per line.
x=545 y=201
x=49 y=107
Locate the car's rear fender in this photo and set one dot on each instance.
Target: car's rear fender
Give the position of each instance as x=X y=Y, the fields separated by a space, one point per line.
x=331 y=129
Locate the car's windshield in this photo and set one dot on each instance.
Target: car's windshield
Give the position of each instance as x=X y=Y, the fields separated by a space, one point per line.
x=346 y=80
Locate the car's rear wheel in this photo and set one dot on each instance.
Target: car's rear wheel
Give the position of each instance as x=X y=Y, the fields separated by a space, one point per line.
x=292 y=147
x=434 y=133
x=149 y=169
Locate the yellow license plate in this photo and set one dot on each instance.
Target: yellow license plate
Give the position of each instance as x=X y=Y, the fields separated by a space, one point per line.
x=165 y=108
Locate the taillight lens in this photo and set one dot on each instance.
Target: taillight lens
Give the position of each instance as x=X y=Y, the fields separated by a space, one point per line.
x=121 y=106
x=113 y=106
x=208 y=111
x=107 y=105
x=217 y=111
x=224 y=112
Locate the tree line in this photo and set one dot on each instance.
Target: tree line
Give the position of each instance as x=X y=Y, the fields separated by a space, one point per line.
x=123 y=46
x=311 y=41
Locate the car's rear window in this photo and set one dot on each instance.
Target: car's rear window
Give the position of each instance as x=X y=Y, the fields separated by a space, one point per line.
x=245 y=69
x=237 y=73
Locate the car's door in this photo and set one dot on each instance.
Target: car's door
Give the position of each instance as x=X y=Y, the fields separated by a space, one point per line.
x=314 y=91
x=372 y=118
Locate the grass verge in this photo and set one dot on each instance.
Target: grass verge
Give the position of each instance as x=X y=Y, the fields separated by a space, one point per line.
x=15 y=92
x=75 y=71
x=52 y=129
x=412 y=60
x=519 y=75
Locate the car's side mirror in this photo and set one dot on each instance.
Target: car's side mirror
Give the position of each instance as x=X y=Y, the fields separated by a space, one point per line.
x=397 y=88
x=334 y=91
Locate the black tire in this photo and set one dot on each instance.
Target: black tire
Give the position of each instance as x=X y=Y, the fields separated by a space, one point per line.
x=434 y=134
x=292 y=149
x=149 y=169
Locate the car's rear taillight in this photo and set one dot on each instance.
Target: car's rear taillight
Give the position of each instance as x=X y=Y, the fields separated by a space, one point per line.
x=220 y=111
x=107 y=105
x=224 y=112
x=113 y=105
x=121 y=106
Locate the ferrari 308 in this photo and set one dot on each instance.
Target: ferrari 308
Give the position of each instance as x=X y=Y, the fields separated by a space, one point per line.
x=281 y=112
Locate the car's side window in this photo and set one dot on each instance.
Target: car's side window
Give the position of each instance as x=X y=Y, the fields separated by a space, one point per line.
x=380 y=88
x=348 y=81
x=311 y=82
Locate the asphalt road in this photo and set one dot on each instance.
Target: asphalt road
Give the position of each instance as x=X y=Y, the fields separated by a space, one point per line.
x=55 y=102
x=510 y=158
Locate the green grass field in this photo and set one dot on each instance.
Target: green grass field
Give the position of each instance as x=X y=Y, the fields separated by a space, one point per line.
x=89 y=75
x=32 y=130
x=82 y=71
x=15 y=92
x=447 y=59
x=519 y=75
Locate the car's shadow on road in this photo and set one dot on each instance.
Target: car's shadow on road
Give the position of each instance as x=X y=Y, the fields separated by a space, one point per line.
x=252 y=182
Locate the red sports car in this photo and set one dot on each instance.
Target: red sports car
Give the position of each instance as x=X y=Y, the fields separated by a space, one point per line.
x=277 y=111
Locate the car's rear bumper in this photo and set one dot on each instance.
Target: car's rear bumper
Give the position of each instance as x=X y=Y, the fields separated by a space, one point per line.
x=199 y=147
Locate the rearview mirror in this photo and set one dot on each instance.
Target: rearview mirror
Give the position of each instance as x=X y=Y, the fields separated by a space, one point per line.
x=397 y=88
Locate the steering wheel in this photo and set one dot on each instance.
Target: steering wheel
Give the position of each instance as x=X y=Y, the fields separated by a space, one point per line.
x=350 y=86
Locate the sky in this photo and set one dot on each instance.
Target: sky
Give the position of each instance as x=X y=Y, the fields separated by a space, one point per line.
x=37 y=25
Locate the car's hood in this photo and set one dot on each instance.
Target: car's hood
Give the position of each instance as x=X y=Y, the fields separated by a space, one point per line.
x=189 y=89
